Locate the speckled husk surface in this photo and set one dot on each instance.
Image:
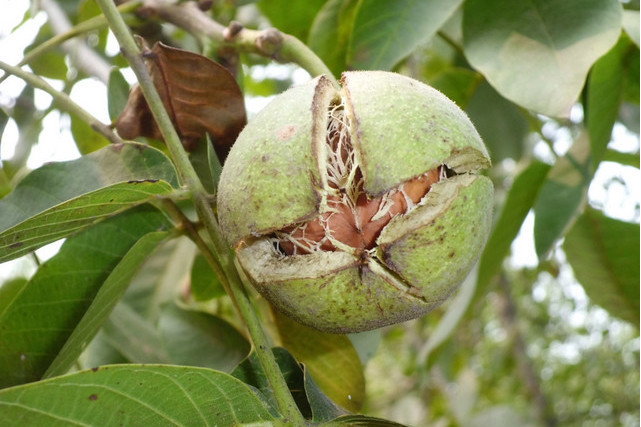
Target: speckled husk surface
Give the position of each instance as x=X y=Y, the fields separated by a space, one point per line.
x=400 y=129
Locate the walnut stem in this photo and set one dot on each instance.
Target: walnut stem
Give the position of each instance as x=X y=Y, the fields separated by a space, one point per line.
x=270 y=42
x=222 y=259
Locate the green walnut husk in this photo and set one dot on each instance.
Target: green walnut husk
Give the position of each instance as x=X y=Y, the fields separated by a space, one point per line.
x=399 y=129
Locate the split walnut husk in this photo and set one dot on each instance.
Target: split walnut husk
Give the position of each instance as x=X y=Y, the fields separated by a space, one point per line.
x=355 y=208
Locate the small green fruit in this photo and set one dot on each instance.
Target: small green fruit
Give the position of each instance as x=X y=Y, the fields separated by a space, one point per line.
x=357 y=208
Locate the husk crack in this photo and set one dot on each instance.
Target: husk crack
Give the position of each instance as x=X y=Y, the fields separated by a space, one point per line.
x=345 y=216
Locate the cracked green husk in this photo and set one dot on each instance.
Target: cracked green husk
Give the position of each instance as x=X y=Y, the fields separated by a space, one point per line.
x=400 y=129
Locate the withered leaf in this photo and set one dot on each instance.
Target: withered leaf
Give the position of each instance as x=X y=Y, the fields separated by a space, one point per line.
x=200 y=96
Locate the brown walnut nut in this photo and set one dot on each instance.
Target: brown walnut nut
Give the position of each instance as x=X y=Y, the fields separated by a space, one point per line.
x=355 y=208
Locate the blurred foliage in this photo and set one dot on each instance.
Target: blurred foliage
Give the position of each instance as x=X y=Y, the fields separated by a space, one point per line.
x=586 y=363
x=545 y=333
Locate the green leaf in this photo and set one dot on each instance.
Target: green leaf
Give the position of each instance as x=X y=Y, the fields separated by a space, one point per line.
x=70 y=8
x=456 y=308
x=10 y=290
x=56 y=183
x=366 y=344
x=322 y=407
x=36 y=323
x=77 y=214
x=5 y=181
x=61 y=198
x=251 y=372
x=29 y=121
x=100 y=352
x=200 y=339
x=25 y=109
x=89 y=9
x=631 y=88
x=499 y=122
x=117 y=94
x=604 y=254
x=518 y=203
x=631 y=24
x=562 y=196
x=628 y=159
x=134 y=337
x=103 y=303
x=386 y=32
x=51 y=63
x=204 y=283
x=4 y=119
x=134 y=395
x=215 y=167
x=537 y=53
x=331 y=32
x=330 y=358
x=159 y=280
x=291 y=17
x=605 y=94
x=205 y=161
x=458 y=84
x=265 y=86
x=362 y=420
x=630 y=115
x=87 y=140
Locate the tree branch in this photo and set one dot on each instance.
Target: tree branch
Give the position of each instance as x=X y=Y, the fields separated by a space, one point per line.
x=270 y=43
x=224 y=259
x=63 y=101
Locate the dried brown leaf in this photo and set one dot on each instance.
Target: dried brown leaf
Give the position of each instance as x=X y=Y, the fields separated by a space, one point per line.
x=200 y=96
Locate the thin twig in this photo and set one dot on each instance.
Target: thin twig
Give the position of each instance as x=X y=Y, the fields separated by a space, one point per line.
x=270 y=42
x=63 y=101
x=450 y=41
x=80 y=55
x=95 y=23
